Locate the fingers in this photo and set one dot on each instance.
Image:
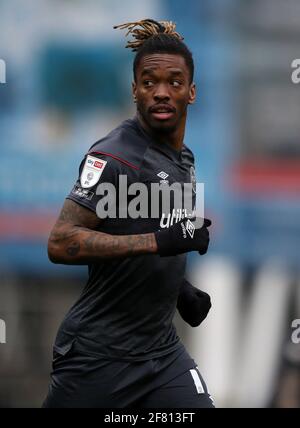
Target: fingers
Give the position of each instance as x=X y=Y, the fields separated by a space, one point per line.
x=207 y=222
x=204 y=248
x=201 y=222
x=202 y=252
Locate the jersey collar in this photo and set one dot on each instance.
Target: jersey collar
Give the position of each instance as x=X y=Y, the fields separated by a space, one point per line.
x=164 y=148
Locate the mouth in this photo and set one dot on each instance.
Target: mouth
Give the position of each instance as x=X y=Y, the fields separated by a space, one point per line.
x=162 y=112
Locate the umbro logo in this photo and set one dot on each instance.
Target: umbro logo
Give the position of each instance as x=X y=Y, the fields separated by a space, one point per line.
x=190 y=228
x=163 y=175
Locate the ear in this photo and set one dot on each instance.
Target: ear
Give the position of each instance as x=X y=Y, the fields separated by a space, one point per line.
x=134 y=91
x=192 y=93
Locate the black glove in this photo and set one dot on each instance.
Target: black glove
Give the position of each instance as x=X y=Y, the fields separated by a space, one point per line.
x=193 y=304
x=183 y=237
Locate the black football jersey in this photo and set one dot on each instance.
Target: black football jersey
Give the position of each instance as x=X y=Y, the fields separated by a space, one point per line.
x=127 y=306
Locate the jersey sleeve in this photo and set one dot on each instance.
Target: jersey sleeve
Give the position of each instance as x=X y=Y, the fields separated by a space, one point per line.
x=93 y=171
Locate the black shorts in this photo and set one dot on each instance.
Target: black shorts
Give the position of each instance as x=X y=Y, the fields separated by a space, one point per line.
x=79 y=380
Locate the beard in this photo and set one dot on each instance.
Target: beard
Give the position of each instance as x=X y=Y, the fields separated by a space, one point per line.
x=162 y=127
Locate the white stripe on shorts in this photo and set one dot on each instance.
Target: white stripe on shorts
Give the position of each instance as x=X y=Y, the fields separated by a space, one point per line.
x=197 y=381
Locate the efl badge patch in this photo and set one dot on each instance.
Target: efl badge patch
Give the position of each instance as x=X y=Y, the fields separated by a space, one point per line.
x=92 y=171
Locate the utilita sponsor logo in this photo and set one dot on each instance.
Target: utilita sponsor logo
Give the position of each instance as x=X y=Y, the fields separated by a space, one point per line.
x=2 y=71
x=168 y=220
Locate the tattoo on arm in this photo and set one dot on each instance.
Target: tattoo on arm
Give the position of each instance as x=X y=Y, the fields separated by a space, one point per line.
x=73 y=249
x=110 y=246
x=75 y=239
x=75 y=214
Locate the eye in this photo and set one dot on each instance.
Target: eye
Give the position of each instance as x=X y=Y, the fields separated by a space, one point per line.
x=176 y=83
x=148 y=83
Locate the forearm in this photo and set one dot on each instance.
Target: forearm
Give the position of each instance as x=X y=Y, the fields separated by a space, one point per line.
x=78 y=246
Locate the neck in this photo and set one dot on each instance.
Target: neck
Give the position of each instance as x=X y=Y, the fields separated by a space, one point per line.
x=173 y=138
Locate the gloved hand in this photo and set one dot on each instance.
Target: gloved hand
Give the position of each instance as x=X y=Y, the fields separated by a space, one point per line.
x=183 y=237
x=193 y=304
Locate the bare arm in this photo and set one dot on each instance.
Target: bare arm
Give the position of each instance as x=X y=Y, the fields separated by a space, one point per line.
x=74 y=241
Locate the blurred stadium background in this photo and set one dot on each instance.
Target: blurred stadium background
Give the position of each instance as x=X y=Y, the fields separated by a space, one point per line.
x=68 y=83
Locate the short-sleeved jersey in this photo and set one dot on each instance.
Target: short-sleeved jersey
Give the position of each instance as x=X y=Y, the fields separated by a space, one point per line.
x=126 y=309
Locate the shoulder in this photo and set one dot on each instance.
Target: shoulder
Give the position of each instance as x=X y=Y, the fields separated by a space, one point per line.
x=124 y=145
x=188 y=154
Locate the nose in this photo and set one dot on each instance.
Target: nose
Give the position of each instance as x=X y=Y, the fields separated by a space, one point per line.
x=161 y=93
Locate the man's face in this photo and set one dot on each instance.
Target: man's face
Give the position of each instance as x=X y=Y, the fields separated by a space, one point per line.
x=163 y=91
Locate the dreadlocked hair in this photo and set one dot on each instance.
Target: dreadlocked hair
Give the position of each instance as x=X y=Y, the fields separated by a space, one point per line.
x=152 y=37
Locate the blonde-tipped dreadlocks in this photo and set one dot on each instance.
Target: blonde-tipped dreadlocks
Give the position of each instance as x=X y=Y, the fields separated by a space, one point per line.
x=153 y=37
x=149 y=28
